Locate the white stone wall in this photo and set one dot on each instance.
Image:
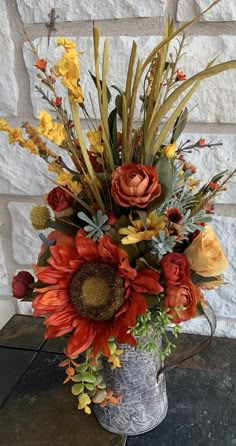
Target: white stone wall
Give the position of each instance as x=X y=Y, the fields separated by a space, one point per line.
x=214 y=118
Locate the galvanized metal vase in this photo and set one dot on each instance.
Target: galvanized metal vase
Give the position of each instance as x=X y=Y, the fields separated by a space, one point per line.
x=144 y=401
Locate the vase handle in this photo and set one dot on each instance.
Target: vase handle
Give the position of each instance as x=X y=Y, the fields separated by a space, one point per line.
x=211 y=319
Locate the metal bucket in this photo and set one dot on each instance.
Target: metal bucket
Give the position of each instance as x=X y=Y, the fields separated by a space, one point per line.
x=144 y=401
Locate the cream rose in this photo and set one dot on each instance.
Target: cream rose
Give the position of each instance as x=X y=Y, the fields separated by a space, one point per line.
x=205 y=254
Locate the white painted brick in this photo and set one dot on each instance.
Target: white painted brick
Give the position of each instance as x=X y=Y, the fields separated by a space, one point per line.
x=24 y=308
x=224 y=11
x=8 y=86
x=25 y=239
x=214 y=101
x=21 y=172
x=4 y=287
x=226 y=327
x=214 y=160
x=74 y=10
x=7 y=310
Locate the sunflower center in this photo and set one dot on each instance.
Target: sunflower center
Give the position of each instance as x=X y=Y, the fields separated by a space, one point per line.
x=102 y=291
x=96 y=291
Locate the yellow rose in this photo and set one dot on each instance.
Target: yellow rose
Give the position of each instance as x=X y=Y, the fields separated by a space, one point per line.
x=169 y=150
x=205 y=254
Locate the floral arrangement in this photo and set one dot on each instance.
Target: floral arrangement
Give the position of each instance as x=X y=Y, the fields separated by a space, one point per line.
x=132 y=248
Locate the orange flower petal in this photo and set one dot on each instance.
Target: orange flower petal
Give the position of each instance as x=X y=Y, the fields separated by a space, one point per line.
x=82 y=338
x=87 y=248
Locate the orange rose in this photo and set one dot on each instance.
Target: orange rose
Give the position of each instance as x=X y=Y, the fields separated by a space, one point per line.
x=135 y=185
x=205 y=254
x=187 y=296
x=175 y=269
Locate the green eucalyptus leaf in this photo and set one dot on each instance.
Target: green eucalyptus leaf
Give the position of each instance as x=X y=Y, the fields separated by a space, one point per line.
x=77 y=378
x=102 y=385
x=99 y=396
x=77 y=388
x=88 y=377
x=99 y=379
x=82 y=368
x=89 y=386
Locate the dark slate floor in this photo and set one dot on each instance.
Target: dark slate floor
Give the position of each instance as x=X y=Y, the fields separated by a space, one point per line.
x=36 y=409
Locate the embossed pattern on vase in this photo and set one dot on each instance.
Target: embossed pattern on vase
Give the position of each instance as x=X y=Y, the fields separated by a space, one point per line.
x=144 y=400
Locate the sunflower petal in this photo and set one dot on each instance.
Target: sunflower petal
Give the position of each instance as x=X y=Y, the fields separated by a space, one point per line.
x=82 y=338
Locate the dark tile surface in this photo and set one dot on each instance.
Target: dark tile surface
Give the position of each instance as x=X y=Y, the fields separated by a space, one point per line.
x=220 y=355
x=37 y=409
x=13 y=365
x=55 y=345
x=42 y=412
x=23 y=332
x=202 y=411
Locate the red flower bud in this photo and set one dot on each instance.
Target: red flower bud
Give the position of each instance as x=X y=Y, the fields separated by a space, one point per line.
x=58 y=199
x=20 y=284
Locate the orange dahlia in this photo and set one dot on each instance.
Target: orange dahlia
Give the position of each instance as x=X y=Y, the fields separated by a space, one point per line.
x=92 y=292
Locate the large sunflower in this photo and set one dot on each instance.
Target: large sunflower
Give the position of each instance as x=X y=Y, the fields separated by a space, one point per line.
x=92 y=292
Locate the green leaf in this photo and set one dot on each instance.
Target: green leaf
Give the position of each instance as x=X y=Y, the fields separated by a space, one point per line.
x=77 y=378
x=76 y=389
x=94 y=368
x=89 y=386
x=117 y=89
x=218 y=176
x=130 y=72
x=88 y=377
x=165 y=178
x=173 y=97
x=102 y=385
x=118 y=102
x=196 y=278
x=179 y=125
x=166 y=129
x=95 y=82
x=99 y=396
x=112 y=122
x=82 y=368
x=29 y=297
x=99 y=379
x=63 y=226
x=84 y=399
x=42 y=261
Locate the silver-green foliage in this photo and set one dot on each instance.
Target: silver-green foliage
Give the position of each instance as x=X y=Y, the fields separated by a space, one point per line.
x=96 y=226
